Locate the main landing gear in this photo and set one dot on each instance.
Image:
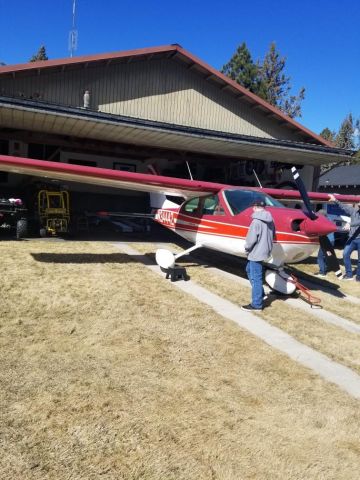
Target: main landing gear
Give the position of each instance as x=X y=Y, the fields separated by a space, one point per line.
x=280 y=281
x=287 y=284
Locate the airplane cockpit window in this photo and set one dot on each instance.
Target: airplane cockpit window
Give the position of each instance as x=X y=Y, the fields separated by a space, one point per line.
x=191 y=206
x=239 y=200
x=211 y=206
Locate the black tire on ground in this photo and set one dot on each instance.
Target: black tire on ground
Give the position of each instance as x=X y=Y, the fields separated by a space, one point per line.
x=21 y=228
x=43 y=232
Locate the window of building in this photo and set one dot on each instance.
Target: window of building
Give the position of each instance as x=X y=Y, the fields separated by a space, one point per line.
x=84 y=163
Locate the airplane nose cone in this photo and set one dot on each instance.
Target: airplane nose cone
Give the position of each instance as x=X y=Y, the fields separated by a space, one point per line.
x=318 y=227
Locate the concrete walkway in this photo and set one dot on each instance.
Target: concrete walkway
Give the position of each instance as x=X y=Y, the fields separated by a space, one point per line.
x=333 y=372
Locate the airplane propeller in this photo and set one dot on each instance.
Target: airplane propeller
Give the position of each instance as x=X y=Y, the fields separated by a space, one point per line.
x=303 y=192
x=324 y=241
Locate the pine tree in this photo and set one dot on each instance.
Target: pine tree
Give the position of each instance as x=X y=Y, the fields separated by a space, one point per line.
x=242 y=69
x=41 y=55
x=345 y=137
x=357 y=136
x=266 y=79
x=356 y=158
x=277 y=85
x=327 y=134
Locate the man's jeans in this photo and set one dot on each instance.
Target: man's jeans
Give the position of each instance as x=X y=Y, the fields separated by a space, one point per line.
x=322 y=260
x=349 y=248
x=254 y=272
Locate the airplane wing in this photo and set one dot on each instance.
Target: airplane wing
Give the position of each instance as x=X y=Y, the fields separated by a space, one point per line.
x=141 y=181
x=108 y=178
x=314 y=196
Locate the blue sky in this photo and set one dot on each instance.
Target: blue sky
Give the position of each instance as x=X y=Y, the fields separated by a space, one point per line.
x=321 y=39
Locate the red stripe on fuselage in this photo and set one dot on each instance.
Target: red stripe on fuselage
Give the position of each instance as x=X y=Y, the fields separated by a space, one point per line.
x=174 y=220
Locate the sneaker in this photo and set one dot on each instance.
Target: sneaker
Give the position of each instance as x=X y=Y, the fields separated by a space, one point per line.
x=250 y=308
x=319 y=274
x=345 y=277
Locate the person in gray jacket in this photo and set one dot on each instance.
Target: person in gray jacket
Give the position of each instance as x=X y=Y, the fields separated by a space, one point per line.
x=353 y=242
x=258 y=245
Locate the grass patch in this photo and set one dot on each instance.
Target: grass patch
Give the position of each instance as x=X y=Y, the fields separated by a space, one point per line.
x=108 y=371
x=333 y=341
x=332 y=301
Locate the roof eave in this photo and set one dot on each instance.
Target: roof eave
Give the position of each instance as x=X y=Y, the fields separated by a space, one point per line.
x=34 y=114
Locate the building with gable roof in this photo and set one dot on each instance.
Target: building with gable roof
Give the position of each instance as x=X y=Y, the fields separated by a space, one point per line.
x=159 y=105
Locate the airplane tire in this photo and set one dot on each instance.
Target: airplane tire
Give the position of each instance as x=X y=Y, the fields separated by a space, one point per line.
x=280 y=282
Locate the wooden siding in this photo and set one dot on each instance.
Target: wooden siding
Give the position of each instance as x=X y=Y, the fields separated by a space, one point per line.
x=160 y=89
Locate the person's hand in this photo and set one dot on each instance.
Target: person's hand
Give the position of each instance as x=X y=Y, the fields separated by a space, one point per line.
x=332 y=198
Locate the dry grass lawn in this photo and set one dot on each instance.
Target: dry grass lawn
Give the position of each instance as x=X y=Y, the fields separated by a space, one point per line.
x=109 y=372
x=334 y=301
x=333 y=341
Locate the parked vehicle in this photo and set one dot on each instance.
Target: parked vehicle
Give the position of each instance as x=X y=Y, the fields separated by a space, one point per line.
x=13 y=216
x=53 y=212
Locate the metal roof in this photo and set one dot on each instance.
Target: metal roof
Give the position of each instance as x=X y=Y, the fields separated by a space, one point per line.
x=180 y=54
x=82 y=123
x=347 y=175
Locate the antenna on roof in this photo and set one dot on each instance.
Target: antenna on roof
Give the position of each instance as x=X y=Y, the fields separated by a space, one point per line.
x=73 y=34
x=188 y=166
x=257 y=178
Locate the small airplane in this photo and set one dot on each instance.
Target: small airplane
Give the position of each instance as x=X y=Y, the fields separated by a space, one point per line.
x=212 y=215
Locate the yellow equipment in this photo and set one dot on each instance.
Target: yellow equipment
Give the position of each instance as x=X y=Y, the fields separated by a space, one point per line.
x=54 y=212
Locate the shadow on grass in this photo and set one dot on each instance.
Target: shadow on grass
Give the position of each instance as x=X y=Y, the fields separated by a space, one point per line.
x=236 y=265
x=317 y=283
x=88 y=258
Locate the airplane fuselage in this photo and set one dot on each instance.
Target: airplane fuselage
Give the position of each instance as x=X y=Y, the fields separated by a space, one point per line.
x=229 y=236
x=222 y=222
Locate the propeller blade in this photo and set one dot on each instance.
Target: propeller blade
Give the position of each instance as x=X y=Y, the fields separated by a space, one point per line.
x=332 y=261
x=304 y=195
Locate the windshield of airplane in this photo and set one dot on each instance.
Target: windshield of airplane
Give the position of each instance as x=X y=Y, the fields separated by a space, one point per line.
x=239 y=200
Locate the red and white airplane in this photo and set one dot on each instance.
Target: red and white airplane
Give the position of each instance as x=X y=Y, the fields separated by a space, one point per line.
x=211 y=215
